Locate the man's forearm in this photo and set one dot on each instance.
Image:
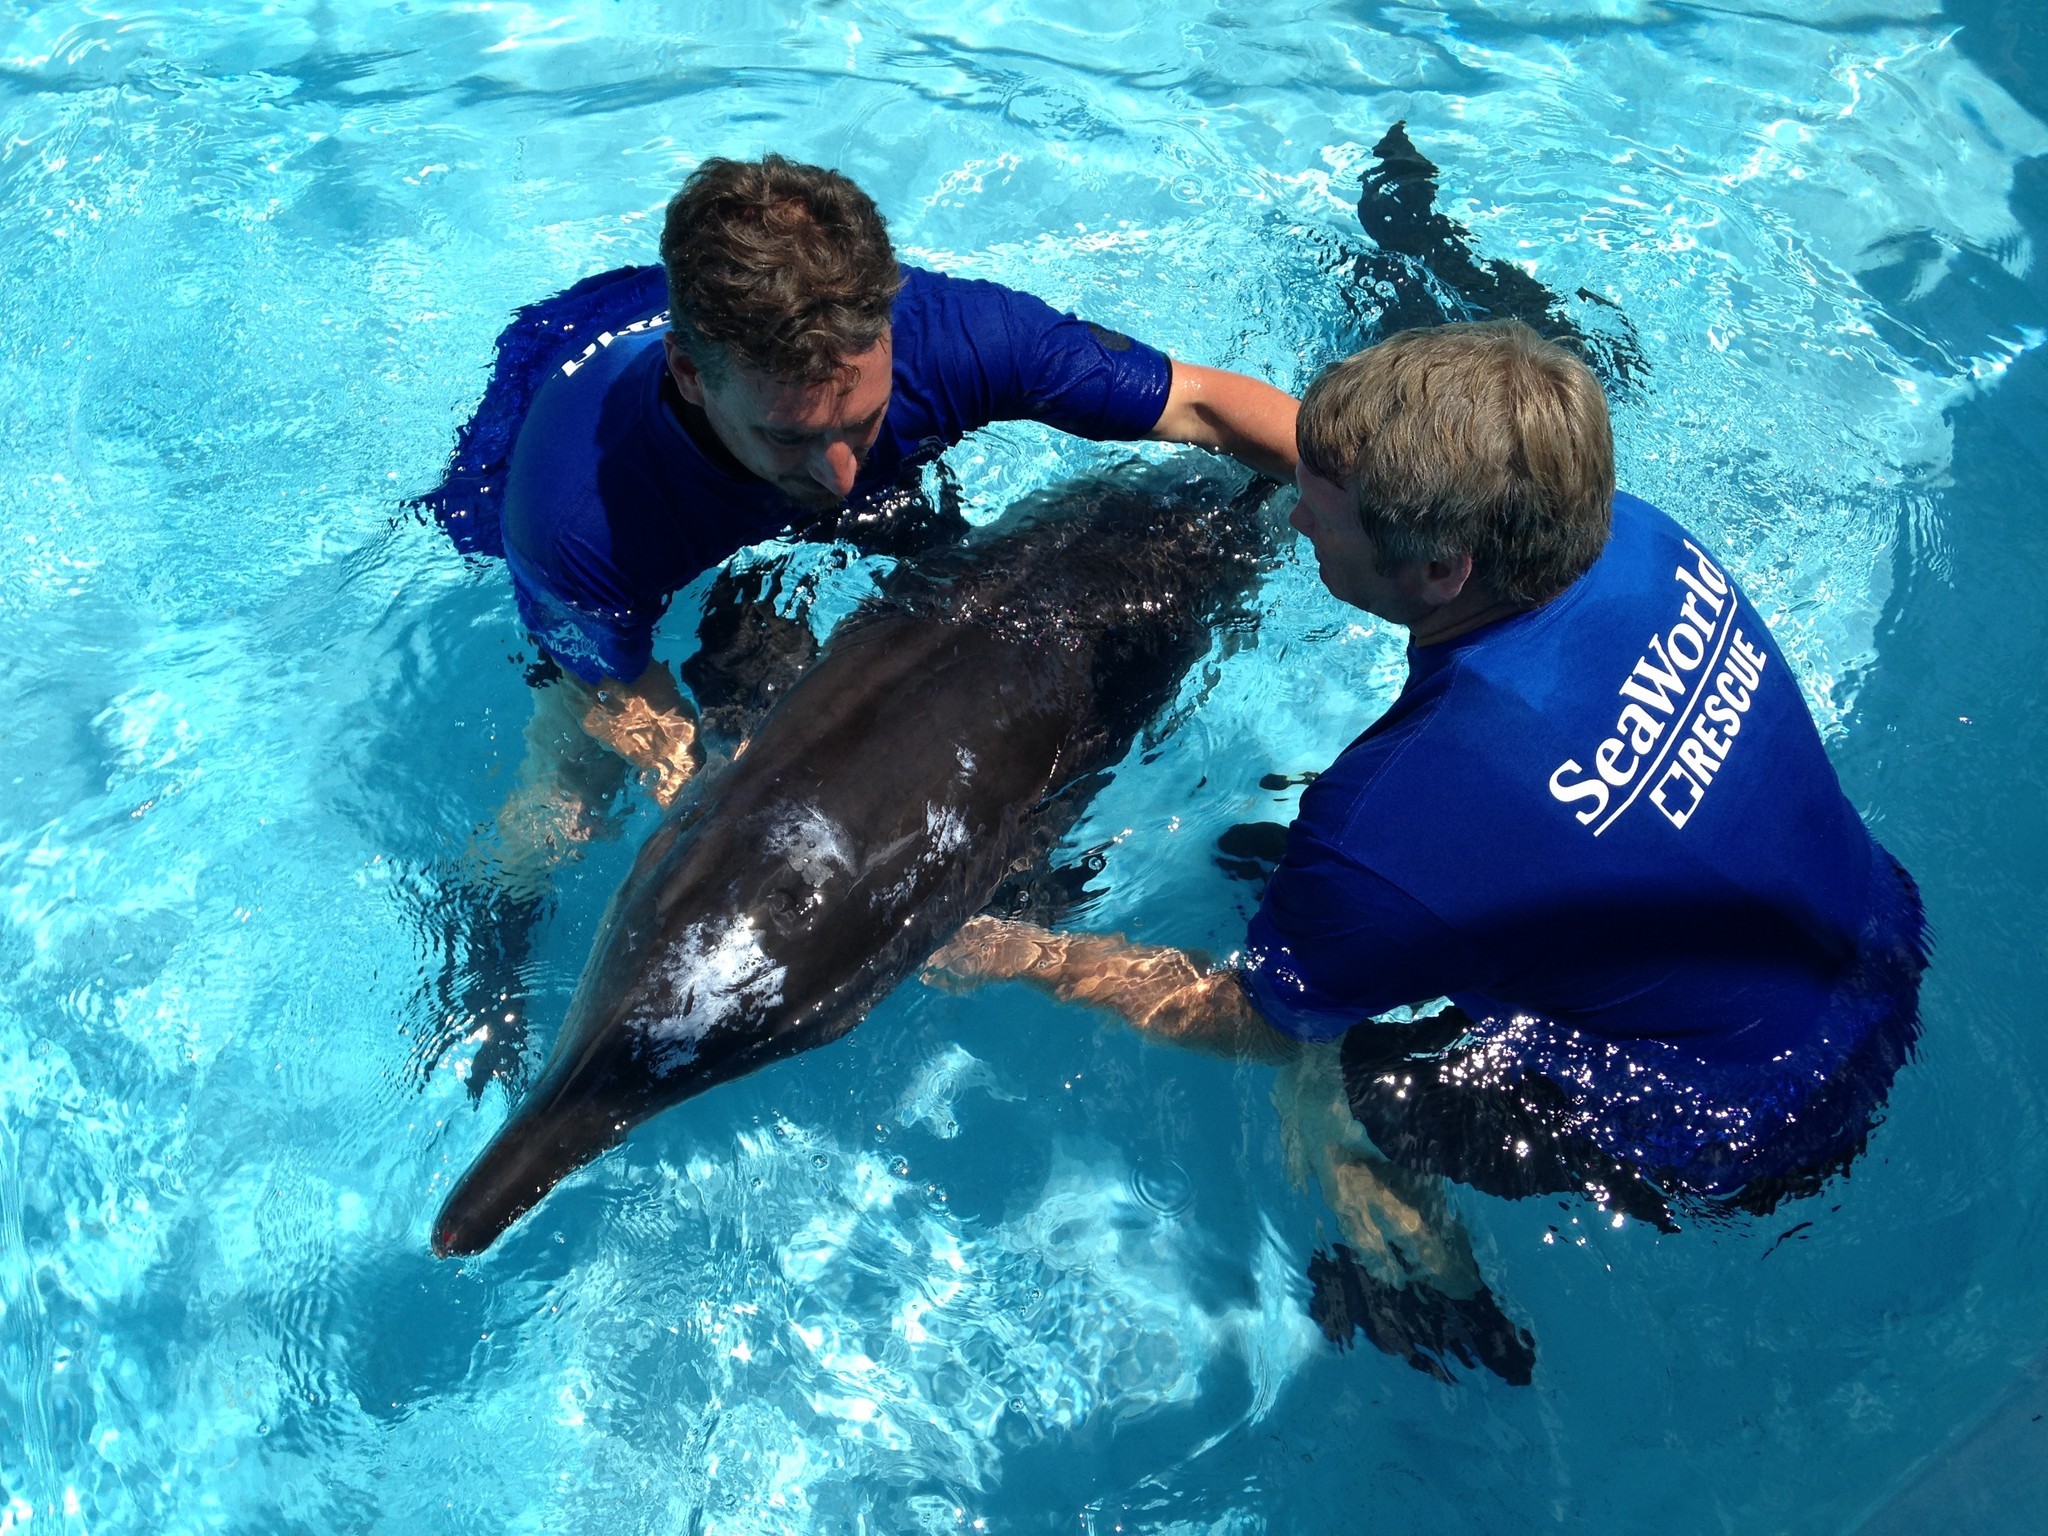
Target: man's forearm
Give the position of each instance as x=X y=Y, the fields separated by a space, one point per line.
x=1171 y=995
x=1232 y=413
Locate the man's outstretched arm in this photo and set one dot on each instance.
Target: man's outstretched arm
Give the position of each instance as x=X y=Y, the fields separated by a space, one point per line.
x=1244 y=417
x=1170 y=995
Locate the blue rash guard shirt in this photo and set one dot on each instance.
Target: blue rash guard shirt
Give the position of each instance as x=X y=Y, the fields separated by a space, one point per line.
x=1612 y=812
x=611 y=505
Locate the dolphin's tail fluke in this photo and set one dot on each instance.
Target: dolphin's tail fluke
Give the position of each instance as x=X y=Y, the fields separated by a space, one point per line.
x=533 y=1152
x=1397 y=206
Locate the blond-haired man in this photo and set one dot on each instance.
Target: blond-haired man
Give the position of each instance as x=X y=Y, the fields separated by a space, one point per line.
x=1598 y=819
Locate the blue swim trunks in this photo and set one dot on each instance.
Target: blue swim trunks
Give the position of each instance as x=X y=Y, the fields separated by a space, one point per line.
x=1520 y=1105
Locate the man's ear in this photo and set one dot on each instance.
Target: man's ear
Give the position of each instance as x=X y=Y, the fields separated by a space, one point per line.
x=684 y=370
x=1443 y=580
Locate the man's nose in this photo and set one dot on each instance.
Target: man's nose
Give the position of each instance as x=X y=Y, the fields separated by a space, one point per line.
x=835 y=468
x=1297 y=518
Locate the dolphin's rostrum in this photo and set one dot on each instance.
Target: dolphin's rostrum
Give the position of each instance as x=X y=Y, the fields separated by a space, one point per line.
x=948 y=736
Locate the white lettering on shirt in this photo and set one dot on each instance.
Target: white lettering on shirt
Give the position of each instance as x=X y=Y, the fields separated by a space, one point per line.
x=607 y=338
x=1686 y=698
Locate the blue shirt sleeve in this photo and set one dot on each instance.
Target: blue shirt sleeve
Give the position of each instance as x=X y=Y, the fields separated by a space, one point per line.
x=590 y=643
x=1086 y=379
x=1042 y=365
x=1334 y=943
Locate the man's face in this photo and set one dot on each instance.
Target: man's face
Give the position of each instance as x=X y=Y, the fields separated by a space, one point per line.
x=807 y=440
x=1346 y=557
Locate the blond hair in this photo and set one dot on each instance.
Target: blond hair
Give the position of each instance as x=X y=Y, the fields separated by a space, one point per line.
x=1479 y=439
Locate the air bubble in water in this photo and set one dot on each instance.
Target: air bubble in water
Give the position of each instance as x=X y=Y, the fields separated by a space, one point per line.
x=1162 y=1184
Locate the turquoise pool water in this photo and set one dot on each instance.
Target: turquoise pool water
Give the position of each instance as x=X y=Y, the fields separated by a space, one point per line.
x=985 y=1264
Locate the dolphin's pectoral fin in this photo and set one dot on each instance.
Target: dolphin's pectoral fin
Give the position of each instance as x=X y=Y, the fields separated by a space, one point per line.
x=1041 y=888
x=477 y=991
x=1416 y=1322
x=1051 y=895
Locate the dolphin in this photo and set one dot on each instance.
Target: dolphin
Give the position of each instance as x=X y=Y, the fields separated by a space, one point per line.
x=1424 y=271
x=945 y=739
x=949 y=734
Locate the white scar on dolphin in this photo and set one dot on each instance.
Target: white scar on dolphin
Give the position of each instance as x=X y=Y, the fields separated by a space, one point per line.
x=718 y=975
x=814 y=845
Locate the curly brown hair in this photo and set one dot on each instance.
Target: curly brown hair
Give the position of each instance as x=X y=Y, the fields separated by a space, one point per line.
x=1482 y=439
x=782 y=267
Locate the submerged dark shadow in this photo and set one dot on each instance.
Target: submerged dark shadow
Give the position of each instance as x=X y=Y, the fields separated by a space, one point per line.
x=476 y=983
x=1425 y=272
x=1252 y=850
x=1416 y=1322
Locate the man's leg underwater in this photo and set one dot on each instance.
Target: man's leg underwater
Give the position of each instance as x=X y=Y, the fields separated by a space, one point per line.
x=1408 y=1278
x=492 y=908
x=561 y=797
x=1398 y=1221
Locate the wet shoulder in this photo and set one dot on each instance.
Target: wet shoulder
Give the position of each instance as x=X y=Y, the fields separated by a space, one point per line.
x=594 y=403
x=1648 y=573
x=952 y=345
x=589 y=476
x=948 y=327
x=940 y=323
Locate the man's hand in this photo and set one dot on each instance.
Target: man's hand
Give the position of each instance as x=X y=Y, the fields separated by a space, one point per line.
x=1167 y=994
x=1244 y=417
x=992 y=949
x=648 y=723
